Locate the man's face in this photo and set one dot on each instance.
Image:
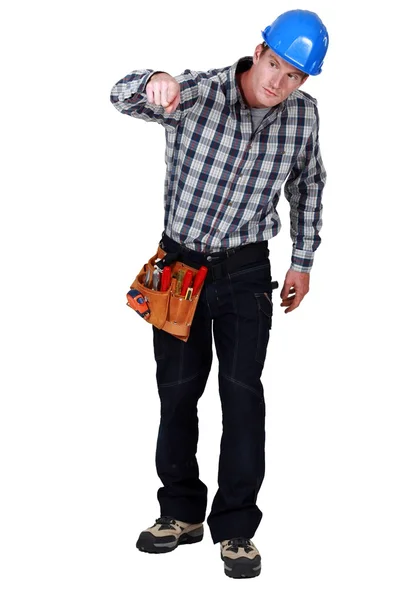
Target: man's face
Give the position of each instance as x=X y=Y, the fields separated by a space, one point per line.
x=272 y=78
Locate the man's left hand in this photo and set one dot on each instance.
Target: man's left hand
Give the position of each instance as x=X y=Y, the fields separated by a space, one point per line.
x=294 y=289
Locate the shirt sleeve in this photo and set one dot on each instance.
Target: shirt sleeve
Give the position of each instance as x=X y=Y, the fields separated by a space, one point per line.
x=303 y=189
x=129 y=97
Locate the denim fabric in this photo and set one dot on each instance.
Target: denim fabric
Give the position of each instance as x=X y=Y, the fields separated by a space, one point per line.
x=236 y=311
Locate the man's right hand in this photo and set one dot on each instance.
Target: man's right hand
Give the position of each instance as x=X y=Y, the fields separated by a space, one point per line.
x=163 y=90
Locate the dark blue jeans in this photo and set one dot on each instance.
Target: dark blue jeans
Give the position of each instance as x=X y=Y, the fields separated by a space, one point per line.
x=235 y=307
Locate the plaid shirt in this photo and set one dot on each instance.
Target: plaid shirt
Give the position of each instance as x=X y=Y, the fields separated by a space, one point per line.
x=223 y=181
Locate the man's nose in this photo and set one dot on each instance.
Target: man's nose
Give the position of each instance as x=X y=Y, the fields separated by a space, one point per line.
x=276 y=80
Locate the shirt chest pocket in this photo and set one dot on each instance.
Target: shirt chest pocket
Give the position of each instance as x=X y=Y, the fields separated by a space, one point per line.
x=267 y=159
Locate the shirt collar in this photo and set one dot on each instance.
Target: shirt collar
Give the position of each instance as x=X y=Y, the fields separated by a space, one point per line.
x=233 y=91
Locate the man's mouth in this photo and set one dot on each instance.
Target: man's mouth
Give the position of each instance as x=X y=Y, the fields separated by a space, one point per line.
x=269 y=92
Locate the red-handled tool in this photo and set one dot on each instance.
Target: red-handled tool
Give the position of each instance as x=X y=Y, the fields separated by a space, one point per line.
x=165 y=278
x=198 y=280
x=187 y=280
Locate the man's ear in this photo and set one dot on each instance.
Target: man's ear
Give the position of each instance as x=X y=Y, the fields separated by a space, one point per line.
x=257 y=53
x=302 y=81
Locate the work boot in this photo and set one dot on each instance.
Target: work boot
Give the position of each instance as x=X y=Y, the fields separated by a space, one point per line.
x=241 y=558
x=168 y=533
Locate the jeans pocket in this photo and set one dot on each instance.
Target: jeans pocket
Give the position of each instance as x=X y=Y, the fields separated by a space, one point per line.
x=264 y=305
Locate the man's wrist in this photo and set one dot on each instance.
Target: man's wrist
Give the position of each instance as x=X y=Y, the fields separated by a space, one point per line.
x=299 y=269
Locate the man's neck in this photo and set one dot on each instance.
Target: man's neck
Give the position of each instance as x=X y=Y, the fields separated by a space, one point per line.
x=245 y=89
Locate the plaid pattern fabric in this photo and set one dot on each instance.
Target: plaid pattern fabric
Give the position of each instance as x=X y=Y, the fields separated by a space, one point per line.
x=223 y=181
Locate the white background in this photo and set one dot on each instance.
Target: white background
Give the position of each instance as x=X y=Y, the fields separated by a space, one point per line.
x=81 y=210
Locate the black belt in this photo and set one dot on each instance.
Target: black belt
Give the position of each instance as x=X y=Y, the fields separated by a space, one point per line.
x=219 y=264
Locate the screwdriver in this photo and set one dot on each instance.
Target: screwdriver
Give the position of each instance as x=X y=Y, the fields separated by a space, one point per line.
x=165 y=278
x=199 y=278
x=187 y=280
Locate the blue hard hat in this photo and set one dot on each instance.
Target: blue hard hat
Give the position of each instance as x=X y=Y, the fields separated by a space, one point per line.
x=300 y=38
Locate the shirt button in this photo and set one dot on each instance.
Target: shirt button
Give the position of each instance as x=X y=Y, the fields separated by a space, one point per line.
x=209 y=258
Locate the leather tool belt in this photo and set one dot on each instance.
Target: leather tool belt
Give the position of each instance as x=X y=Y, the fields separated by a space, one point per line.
x=168 y=310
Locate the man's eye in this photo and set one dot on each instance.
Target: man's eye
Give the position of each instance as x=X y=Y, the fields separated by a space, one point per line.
x=292 y=76
x=272 y=64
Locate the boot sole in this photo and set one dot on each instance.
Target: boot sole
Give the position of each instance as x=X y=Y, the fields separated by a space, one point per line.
x=151 y=544
x=241 y=570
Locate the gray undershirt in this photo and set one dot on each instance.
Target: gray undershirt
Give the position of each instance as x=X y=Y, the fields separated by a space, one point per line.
x=257 y=115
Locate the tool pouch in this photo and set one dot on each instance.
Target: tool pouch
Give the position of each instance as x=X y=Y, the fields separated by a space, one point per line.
x=172 y=313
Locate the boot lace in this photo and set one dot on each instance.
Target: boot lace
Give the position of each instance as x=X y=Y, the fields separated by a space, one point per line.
x=235 y=543
x=165 y=522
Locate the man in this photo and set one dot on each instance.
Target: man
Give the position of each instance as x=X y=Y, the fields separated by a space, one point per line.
x=234 y=137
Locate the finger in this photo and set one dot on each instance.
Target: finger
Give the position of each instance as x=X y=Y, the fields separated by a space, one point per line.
x=172 y=92
x=296 y=302
x=287 y=288
x=293 y=306
x=284 y=291
x=176 y=100
x=164 y=94
x=287 y=301
x=174 y=104
x=157 y=95
x=150 y=94
x=289 y=297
